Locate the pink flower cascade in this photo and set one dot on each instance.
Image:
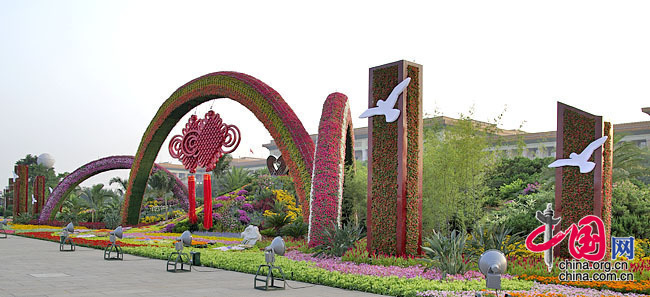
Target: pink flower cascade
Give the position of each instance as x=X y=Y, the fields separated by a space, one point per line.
x=327 y=180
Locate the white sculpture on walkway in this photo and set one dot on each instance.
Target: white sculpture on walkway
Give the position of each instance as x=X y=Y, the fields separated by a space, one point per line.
x=251 y=235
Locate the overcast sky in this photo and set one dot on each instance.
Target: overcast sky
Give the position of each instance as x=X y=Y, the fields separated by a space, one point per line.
x=81 y=80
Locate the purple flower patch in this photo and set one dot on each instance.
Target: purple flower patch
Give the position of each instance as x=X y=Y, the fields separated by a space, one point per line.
x=247 y=207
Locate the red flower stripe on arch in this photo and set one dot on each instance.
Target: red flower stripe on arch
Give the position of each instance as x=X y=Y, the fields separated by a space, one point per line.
x=326 y=196
x=264 y=102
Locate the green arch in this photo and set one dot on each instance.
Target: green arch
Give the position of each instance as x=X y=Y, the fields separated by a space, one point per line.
x=265 y=103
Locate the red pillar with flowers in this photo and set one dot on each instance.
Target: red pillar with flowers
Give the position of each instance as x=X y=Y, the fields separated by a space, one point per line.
x=394 y=219
x=203 y=143
x=580 y=194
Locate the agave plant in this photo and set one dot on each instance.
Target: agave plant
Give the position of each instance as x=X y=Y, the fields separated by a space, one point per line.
x=446 y=252
x=339 y=239
x=496 y=236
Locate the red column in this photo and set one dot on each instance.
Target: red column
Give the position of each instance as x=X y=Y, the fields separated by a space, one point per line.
x=191 y=186
x=39 y=194
x=207 y=201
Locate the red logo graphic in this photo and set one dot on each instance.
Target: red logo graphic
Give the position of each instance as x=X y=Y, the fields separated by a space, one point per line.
x=583 y=242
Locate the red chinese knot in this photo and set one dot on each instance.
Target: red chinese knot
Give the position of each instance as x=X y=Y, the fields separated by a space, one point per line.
x=204 y=141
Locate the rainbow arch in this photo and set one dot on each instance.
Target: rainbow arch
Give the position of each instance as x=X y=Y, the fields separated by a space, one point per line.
x=70 y=182
x=265 y=103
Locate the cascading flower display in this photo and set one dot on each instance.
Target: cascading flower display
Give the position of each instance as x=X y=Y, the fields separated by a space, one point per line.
x=326 y=195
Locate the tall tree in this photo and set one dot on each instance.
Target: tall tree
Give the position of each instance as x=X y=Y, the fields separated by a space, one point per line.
x=455 y=162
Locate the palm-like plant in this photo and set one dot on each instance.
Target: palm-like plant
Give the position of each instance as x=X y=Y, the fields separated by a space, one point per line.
x=123 y=183
x=629 y=160
x=161 y=185
x=233 y=179
x=95 y=197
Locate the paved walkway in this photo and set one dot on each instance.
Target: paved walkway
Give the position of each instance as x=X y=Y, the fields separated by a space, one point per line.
x=32 y=267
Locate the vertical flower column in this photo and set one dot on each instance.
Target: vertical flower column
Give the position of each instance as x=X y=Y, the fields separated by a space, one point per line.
x=577 y=194
x=608 y=158
x=17 y=197
x=23 y=186
x=207 y=201
x=39 y=194
x=191 y=189
x=395 y=163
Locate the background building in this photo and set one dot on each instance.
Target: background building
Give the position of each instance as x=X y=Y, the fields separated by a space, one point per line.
x=247 y=163
x=513 y=142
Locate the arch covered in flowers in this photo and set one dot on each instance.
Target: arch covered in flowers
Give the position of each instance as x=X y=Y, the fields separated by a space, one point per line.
x=335 y=150
x=70 y=182
x=265 y=103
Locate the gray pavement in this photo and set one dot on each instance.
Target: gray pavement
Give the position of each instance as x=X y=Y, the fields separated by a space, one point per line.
x=31 y=267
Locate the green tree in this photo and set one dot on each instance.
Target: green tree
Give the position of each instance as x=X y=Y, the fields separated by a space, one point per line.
x=455 y=162
x=94 y=198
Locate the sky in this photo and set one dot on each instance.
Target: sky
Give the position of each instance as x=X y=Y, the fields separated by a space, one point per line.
x=81 y=80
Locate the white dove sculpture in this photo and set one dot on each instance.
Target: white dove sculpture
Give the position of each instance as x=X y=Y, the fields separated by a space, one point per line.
x=581 y=160
x=33 y=200
x=50 y=190
x=386 y=107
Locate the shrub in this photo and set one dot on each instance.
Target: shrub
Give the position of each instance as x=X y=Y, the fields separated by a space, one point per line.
x=630 y=210
x=112 y=219
x=270 y=232
x=24 y=218
x=297 y=229
x=446 y=252
x=519 y=214
x=339 y=240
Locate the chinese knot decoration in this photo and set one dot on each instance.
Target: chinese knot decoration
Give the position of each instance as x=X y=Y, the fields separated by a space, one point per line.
x=204 y=141
x=202 y=144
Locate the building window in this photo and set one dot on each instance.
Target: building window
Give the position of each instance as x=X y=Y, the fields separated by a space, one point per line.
x=358 y=155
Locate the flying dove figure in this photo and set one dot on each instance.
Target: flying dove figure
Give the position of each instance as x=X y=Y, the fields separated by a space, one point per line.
x=50 y=190
x=33 y=200
x=386 y=107
x=581 y=160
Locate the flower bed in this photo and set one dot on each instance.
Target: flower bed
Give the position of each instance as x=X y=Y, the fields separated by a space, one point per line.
x=538 y=290
x=637 y=286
